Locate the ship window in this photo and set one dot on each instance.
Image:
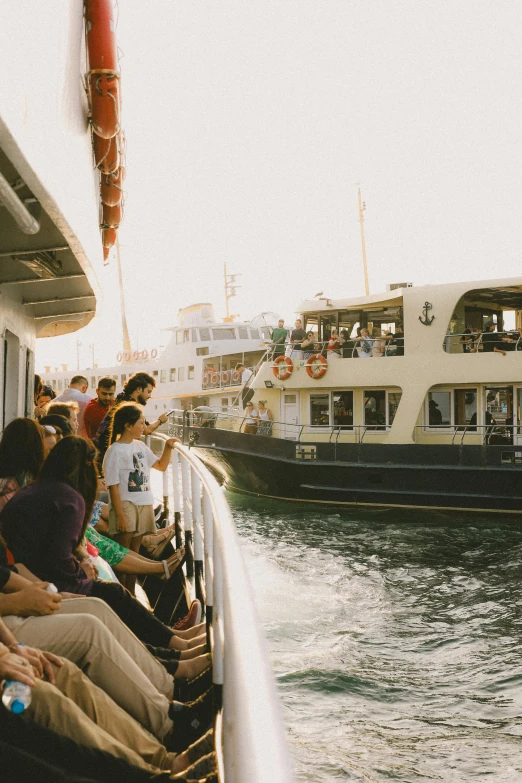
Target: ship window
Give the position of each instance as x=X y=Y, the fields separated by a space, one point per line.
x=194 y=333
x=319 y=410
x=54 y=383
x=265 y=331
x=394 y=399
x=224 y=404
x=439 y=409
x=186 y=335
x=181 y=373
x=190 y=373
x=204 y=335
x=172 y=374
x=254 y=334
x=465 y=408
x=11 y=373
x=65 y=383
x=202 y=351
x=224 y=334
x=342 y=405
x=123 y=379
x=179 y=337
x=243 y=332
x=155 y=373
x=163 y=376
x=375 y=409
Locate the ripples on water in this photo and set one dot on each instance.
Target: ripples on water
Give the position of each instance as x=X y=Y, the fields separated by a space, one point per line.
x=395 y=638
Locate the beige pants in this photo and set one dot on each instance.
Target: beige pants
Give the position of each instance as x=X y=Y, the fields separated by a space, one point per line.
x=87 y=632
x=78 y=709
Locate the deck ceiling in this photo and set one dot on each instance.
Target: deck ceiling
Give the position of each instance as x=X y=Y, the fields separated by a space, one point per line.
x=55 y=290
x=509 y=298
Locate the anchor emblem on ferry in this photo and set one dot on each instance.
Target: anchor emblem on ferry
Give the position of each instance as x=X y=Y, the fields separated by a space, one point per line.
x=426 y=321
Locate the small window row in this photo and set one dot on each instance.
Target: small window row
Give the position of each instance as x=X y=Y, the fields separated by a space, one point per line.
x=206 y=334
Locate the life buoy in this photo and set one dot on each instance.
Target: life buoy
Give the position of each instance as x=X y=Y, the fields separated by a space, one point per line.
x=225 y=377
x=153 y=353
x=112 y=216
x=127 y=356
x=136 y=355
x=111 y=188
x=316 y=366
x=145 y=354
x=109 y=236
x=106 y=154
x=283 y=368
x=214 y=379
x=206 y=380
x=236 y=376
x=119 y=357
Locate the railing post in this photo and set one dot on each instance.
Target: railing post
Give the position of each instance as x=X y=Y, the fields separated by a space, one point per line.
x=176 y=496
x=218 y=631
x=165 y=513
x=208 y=541
x=187 y=516
x=198 y=537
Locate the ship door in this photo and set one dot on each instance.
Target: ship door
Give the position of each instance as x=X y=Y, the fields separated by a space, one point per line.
x=517 y=416
x=290 y=415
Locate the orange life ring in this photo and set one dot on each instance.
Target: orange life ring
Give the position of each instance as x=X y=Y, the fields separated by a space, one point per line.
x=283 y=368
x=145 y=354
x=109 y=236
x=136 y=355
x=316 y=366
x=127 y=356
x=206 y=380
x=236 y=376
x=225 y=377
x=153 y=353
x=111 y=187
x=119 y=357
x=214 y=379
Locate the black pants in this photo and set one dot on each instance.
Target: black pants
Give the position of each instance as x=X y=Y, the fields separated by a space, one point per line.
x=29 y=752
x=246 y=395
x=141 y=622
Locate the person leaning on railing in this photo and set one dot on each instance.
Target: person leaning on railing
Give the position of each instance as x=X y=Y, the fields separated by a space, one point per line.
x=279 y=335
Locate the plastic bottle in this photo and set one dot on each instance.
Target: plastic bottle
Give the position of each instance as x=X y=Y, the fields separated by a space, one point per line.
x=51 y=588
x=16 y=696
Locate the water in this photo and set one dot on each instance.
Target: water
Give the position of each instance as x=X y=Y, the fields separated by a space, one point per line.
x=395 y=638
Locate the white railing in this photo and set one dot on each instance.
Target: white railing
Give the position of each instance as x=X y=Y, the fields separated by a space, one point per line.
x=250 y=736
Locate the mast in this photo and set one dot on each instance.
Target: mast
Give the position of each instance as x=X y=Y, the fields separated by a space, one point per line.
x=230 y=291
x=362 y=207
x=124 y=327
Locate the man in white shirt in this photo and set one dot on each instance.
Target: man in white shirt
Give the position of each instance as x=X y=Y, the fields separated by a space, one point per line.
x=246 y=393
x=75 y=392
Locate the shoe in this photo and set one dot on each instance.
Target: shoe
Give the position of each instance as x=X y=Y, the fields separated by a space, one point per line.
x=191 y=619
x=201 y=747
x=165 y=653
x=156 y=551
x=170 y=666
x=188 y=690
x=191 y=721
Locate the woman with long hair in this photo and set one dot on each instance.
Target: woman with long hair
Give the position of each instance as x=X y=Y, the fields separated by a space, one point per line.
x=22 y=453
x=44 y=524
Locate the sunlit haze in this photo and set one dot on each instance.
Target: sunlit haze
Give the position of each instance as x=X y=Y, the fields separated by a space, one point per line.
x=249 y=126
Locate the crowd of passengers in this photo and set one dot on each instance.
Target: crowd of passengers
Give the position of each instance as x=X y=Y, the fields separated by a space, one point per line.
x=116 y=694
x=366 y=344
x=490 y=341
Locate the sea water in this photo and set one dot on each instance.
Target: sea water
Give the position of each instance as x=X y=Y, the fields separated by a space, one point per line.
x=395 y=637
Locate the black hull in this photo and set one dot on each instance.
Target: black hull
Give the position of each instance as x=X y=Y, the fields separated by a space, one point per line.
x=464 y=478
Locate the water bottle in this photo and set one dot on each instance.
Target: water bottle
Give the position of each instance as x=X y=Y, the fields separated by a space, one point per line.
x=51 y=588
x=16 y=696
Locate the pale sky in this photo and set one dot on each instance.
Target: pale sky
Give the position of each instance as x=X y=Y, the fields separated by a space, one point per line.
x=249 y=124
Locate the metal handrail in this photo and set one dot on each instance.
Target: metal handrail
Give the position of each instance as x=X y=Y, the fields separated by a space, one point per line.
x=250 y=722
x=475 y=339
x=484 y=430
x=321 y=346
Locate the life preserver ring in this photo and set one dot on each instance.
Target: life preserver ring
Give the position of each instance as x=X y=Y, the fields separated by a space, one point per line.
x=127 y=356
x=316 y=366
x=283 y=368
x=136 y=355
x=215 y=379
x=153 y=353
x=236 y=376
x=145 y=354
x=206 y=380
x=225 y=377
x=119 y=357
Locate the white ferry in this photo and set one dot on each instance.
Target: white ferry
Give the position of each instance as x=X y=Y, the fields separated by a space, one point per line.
x=430 y=419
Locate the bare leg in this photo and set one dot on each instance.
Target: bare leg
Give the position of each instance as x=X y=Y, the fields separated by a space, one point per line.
x=197 y=630
x=191 y=668
x=193 y=653
x=186 y=644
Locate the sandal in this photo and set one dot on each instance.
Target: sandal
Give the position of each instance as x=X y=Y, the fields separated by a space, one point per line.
x=171 y=565
x=151 y=540
x=155 y=551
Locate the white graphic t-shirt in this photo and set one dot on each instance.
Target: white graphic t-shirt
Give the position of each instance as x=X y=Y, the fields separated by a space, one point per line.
x=128 y=465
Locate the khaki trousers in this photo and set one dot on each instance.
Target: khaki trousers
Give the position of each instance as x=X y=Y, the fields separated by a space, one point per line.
x=78 y=709
x=87 y=632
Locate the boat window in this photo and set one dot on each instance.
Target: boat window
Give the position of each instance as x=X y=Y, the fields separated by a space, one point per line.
x=65 y=383
x=11 y=379
x=181 y=373
x=172 y=374
x=204 y=335
x=501 y=306
x=53 y=383
x=202 y=351
x=243 y=332
x=190 y=373
x=163 y=376
x=224 y=404
x=394 y=399
x=319 y=410
x=254 y=334
x=194 y=335
x=155 y=373
x=465 y=408
x=265 y=331
x=224 y=334
x=186 y=335
x=375 y=409
x=439 y=409
x=179 y=337
x=342 y=405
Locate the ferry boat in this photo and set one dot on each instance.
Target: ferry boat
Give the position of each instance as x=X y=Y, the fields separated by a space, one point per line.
x=431 y=419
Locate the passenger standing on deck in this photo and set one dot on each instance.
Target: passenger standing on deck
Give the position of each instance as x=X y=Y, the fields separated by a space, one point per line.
x=246 y=374
x=249 y=425
x=76 y=392
x=365 y=344
x=279 y=336
x=491 y=341
x=265 y=419
x=98 y=408
x=296 y=338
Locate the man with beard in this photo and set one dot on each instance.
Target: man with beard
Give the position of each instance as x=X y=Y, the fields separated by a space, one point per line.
x=98 y=408
x=138 y=389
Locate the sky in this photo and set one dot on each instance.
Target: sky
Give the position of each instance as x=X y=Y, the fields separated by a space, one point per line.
x=250 y=126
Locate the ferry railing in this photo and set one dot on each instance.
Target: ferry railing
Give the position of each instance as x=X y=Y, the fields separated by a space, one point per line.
x=250 y=736
x=485 y=431
x=474 y=341
x=352 y=346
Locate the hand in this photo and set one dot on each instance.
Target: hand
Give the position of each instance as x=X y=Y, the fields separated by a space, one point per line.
x=171 y=442
x=163 y=418
x=39 y=660
x=121 y=524
x=101 y=485
x=89 y=569
x=14 y=667
x=34 y=600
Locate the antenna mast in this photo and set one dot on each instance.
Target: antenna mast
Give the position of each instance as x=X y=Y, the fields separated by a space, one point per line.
x=230 y=291
x=125 y=328
x=362 y=207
